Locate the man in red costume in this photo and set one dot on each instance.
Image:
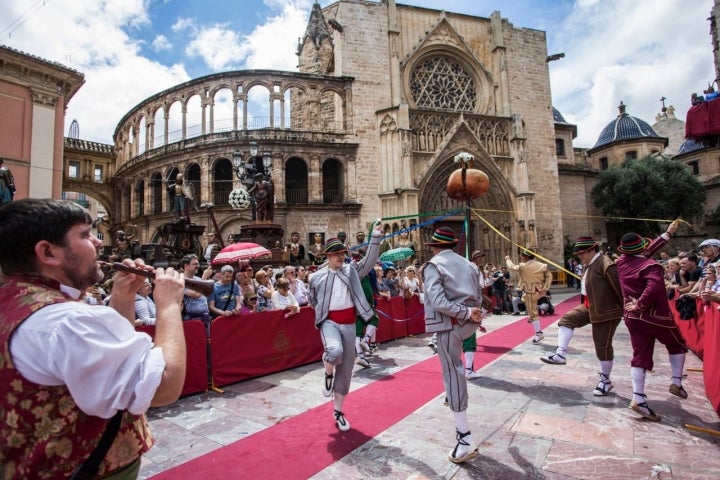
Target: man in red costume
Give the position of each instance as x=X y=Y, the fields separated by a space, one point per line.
x=648 y=317
x=77 y=378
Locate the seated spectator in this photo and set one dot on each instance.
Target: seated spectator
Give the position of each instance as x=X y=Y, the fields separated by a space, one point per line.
x=413 y=283
x=709 y=286
x=517 y=303
x=225 y=300
x=268 y=269
x=297 y=286
x=93 y=295
x=249 y=304
x=710 y=252
x=264 y=291
x=673 y=279
x=545 y=306
x=195 y=304
x=107 y=287
x=283 y=299
x=145 y=310
x=690 y=272
x=246 y=281
x=390 y=282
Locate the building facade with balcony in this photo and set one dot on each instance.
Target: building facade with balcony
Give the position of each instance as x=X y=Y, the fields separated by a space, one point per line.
x=33 y=96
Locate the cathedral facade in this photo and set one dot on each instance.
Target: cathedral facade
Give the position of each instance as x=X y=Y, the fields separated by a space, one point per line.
x=385 y=98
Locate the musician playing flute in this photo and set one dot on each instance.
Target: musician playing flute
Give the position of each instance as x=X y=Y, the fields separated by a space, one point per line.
x=83 y=366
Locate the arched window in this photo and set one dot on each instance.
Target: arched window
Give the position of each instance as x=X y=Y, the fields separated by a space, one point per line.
x=193 y=178
x=296 y=181
x=222 y=181
x=332 y=182
x=140 y=198
x=126 y=202
x=156 y=188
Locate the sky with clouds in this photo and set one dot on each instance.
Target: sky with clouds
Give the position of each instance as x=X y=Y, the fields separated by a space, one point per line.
x=631 y=50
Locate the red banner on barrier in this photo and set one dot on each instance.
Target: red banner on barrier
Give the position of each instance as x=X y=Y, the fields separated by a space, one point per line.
x=196 y=374
x=711 y=359
x=256 y=344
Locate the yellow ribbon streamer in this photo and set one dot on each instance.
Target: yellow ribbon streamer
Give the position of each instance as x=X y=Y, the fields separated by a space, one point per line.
x=492 y=227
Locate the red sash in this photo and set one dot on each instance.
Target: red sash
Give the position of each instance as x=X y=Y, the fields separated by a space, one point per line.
x=343 y=317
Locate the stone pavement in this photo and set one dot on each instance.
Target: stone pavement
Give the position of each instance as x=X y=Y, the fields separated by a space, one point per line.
x=532 y=420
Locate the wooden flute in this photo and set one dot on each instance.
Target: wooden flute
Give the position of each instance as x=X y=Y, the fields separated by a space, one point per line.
x=203 y=286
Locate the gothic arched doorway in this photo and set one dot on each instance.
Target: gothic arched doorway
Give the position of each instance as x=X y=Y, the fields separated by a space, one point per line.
x=496 y=207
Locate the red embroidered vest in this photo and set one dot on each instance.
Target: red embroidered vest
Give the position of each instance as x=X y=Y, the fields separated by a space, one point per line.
x=43 y=434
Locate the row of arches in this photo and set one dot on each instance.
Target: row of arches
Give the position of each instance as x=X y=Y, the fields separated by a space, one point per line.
x=236 y=101
x=214 y=182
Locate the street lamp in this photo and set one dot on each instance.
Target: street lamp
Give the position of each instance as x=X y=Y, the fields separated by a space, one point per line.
x=251 y=172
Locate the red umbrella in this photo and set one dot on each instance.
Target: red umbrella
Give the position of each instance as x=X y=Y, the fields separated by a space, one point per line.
x=240 y=251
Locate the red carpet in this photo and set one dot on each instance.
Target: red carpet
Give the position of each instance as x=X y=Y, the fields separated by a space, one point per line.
x=310 y=442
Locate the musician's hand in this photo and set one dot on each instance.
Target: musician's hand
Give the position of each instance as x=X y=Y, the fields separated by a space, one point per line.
x=126 y=283
x=169 y=287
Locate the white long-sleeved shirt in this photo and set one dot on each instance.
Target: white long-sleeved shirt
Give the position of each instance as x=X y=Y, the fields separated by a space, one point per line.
x=92 y=350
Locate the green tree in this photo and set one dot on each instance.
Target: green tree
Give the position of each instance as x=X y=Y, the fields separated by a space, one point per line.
x=653 y=187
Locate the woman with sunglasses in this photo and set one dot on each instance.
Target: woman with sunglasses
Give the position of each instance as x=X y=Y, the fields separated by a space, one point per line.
x=249 y=304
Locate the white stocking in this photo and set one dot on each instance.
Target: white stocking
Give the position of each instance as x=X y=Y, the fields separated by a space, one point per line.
x=565 y=334
x=677 y=364
x=469 y=358
x=536 y=326
x=606 y=367
x=638 y=382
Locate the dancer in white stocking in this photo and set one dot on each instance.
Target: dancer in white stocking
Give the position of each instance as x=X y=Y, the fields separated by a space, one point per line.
x=453 y=310
x=337 y=296
x=601 y=307
x=648 y=318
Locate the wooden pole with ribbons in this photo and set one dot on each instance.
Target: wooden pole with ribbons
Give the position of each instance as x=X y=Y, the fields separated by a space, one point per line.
x=467 y=184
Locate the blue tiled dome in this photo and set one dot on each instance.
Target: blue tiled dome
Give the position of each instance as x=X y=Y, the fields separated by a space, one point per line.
x=624 y=127
x=690 y=145
x=557 y=116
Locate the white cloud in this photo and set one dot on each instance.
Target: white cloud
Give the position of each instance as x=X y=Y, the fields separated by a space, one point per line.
x=89 y=37
x=218 y=46
x=184 y=24
x=273 y=44
x=636 y=52
x=161 y=43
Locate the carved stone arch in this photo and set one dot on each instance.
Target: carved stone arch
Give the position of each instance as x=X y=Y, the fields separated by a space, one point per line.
x=300 y=88
x=497 y=206
x=155 y=108
x=387 y=124
x=334 y=89
x=189 y=94
x=257 y=82
x=221 y=86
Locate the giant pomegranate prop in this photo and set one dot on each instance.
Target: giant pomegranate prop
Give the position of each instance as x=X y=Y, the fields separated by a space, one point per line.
x=467 y=184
